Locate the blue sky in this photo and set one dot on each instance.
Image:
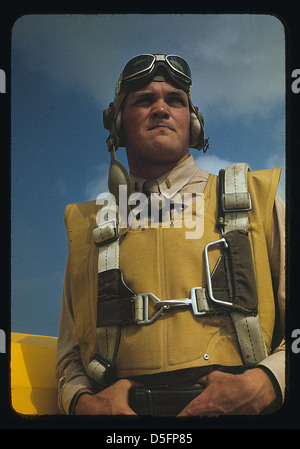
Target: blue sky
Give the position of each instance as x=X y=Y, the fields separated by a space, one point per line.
x=64 y=71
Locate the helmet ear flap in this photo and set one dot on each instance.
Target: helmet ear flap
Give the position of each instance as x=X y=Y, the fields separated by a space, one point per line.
x=108 y=117
x=112 y=123
x=112 y=118
x=197 y=139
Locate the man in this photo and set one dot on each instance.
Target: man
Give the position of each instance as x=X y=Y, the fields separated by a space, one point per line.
x=182 y=350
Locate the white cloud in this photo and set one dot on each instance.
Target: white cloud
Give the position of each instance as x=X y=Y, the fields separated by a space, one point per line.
x=97 y=185
x=276 y=156
x=211 y=163
x=238 y=64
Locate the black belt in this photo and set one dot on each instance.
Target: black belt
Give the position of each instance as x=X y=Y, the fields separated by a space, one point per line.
x=164 y=401
x=162 y=395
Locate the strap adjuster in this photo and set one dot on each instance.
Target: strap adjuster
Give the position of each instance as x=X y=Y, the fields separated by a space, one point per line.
x=236 y=202
x=106 y=232
x=99 y=369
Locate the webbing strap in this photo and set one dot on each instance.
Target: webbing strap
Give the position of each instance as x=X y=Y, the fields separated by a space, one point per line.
x=106 y=238
x=236 y=205
x=250 y=337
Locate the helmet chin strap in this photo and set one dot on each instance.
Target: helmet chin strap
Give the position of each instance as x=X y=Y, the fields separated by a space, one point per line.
x=118 y=175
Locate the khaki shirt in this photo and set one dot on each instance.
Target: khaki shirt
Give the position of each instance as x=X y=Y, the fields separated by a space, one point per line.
x=185 y=178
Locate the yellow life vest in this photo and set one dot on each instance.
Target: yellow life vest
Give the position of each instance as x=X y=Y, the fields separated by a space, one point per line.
x=162 y=261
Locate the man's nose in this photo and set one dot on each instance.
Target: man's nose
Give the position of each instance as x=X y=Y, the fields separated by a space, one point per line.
x=160 y=110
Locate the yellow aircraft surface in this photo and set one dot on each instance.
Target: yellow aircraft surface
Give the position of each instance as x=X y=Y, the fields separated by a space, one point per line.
x=33 y=381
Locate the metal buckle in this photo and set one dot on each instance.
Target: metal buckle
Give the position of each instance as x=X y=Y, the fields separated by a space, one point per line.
x=146 y=297
x=166 y=305
x=208 y=276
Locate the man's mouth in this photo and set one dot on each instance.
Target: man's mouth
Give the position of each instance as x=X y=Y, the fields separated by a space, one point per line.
x=160 y=125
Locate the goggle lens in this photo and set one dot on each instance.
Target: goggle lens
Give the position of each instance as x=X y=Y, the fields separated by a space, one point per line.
x=179 y=64
x=142 y=65
x=138 y=66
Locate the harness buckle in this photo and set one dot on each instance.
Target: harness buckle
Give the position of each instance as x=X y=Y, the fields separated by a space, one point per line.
x=142 y=308
x=142 y=305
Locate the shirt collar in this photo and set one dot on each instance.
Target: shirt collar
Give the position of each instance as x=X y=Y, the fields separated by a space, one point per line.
x=174 y=180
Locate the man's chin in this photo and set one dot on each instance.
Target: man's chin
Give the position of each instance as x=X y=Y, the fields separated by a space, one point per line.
x=163 y=153
x=166 y=144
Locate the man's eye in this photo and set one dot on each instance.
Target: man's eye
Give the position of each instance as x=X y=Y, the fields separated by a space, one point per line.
x=177 y=101
x=142 y=102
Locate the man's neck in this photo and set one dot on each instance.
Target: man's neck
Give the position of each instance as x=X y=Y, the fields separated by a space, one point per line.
x=151 y=172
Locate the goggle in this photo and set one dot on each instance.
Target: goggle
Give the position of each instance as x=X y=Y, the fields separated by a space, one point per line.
x=139 y=69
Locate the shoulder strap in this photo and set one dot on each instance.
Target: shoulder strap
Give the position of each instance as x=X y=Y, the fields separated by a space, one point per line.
x=236 y=204
x=106 y=236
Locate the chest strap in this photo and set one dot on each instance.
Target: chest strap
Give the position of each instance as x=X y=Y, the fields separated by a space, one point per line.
x=118 y=305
